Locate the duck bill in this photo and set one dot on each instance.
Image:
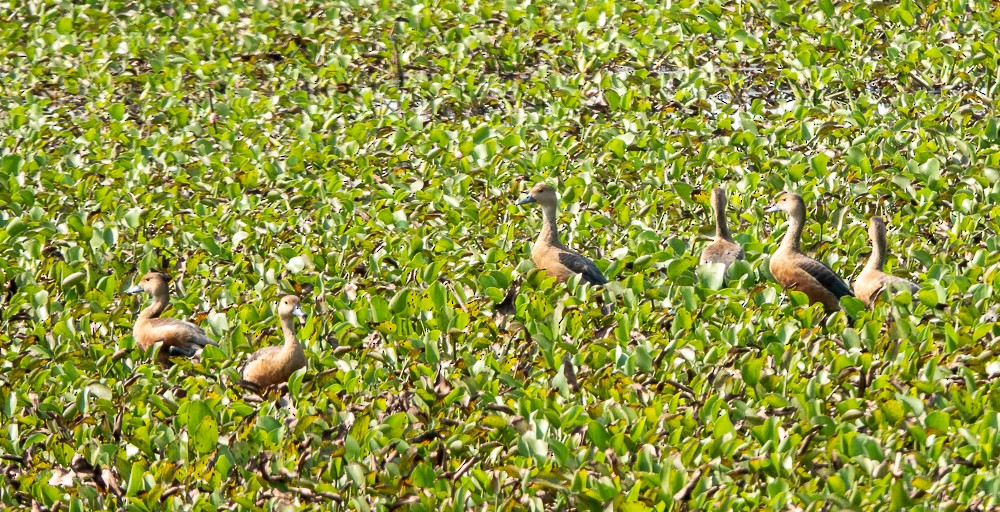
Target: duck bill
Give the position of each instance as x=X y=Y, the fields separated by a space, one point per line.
x=772 y=208
x=134 y=290
x=528 y=199
x=298 y=312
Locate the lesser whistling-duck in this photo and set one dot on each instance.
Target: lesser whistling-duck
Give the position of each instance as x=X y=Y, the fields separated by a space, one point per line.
x=723 y=249
x=872 y=280
x=270 y=366
x=796 y=271
x=549 y=254
x=179 y=338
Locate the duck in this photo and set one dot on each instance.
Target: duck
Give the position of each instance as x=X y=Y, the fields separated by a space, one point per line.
x=794 y=270
x=872 y=280
x=723 y=248
x=548 y=253
x=271 y=366
x=179 y=338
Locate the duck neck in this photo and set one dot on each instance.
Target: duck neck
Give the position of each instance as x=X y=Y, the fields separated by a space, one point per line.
x=549 y=233
x=793 y=237
x=155 y=309
x=877 y=259
x=288 y=329
x=721 y=228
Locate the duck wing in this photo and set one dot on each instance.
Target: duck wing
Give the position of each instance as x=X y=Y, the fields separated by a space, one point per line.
x=262 y=354
x=582 y=265
x=172 y=331
x=826 y=277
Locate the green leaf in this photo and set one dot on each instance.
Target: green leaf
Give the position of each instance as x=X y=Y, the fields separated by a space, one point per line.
x=722 y=426
x=893 y=411
x=818 y=163
x=937 y=422
x=135 y=479
x=424 y=476
x=357 y=473
x=915 y=405
x=16 y=227
x=64 y=26
x=11 y=164
x=827 y=7
x=117 y=111
x=295 y=381
x=219 y=324
x=853 y=306
x=197 y=411
x=205 y=436
x=616 y=146
x=929 y=298
x=598 y=434
x=132 y=217
x=73 y=279
x=439 y=295
x=751 y=371
x=712 y=275
x=904 y=16
x=296 y=264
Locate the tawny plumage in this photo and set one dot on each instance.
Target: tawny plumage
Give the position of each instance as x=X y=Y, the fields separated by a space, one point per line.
x=179 y=338
x=723 y=249
x=549 y=254
x=794 y=270
x=872 y=280
x=271 y=366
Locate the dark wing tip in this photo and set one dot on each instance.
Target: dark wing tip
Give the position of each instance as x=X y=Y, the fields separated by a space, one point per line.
x=594 y=276
x=177 y=350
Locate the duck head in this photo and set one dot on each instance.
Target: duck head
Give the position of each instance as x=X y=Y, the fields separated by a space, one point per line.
x=153 y=283
x=289 y=306
x=789 y=203
x=542 y=194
